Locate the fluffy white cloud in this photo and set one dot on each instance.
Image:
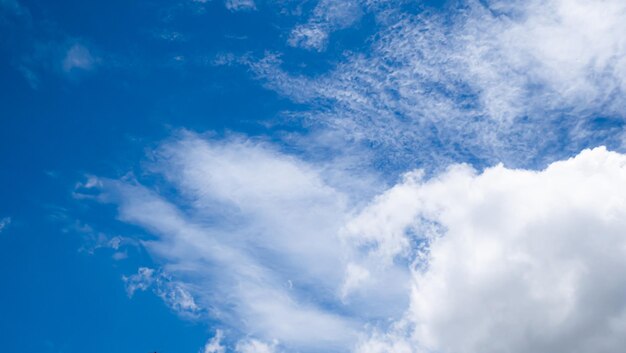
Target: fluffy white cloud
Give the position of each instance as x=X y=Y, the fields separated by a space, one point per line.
x=529 y=262
x=240 y=5
x=505 y=260
x=569 y=50
x=142 y=280
x=521 y=261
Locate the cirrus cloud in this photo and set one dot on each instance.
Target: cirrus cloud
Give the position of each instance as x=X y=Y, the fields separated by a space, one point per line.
x=524 y=83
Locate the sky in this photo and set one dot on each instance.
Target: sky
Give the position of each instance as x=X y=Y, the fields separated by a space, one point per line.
x=277 y=176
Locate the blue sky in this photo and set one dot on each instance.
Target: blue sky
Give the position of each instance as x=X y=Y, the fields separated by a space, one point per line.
x=273 y=176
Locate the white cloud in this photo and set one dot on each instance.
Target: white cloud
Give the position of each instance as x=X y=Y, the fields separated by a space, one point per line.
x=255 y=346
x=327 y=16
x=355 y=276
x=174 y=293
x=310 y=36
x=142 y=280
x=284 y=251
x=569 y=47
x=70 y=58
x=78 y=57
x=240 y=5
x=255 y=241
x=94 y=241
x=214 y=345
x=4 y=222
x=463 y=262
x=489 y=81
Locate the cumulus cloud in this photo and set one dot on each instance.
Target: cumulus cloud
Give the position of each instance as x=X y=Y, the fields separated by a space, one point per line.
x=522 y=261
x=461 y=262
x=529 y=261
x=69 y=58
x=521 y=82
x=310 y=36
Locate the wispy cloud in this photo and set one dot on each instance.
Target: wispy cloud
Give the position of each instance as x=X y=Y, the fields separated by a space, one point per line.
x=517 y=82
x=214 y=345
x=40 y=48
x=4 y=222
x=240 y=5
x=78 y=57
x=260 y=249
x=174 y=293
x=328 y=16
x=309 y=36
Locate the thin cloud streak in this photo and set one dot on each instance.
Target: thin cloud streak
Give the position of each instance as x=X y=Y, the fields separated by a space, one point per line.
x=258 y=245
x=519 y=83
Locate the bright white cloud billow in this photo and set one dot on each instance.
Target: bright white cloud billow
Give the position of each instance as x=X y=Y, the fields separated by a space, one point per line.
x=174 y=293
x=528 y=262
x=520 y=261
x=503 y=260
